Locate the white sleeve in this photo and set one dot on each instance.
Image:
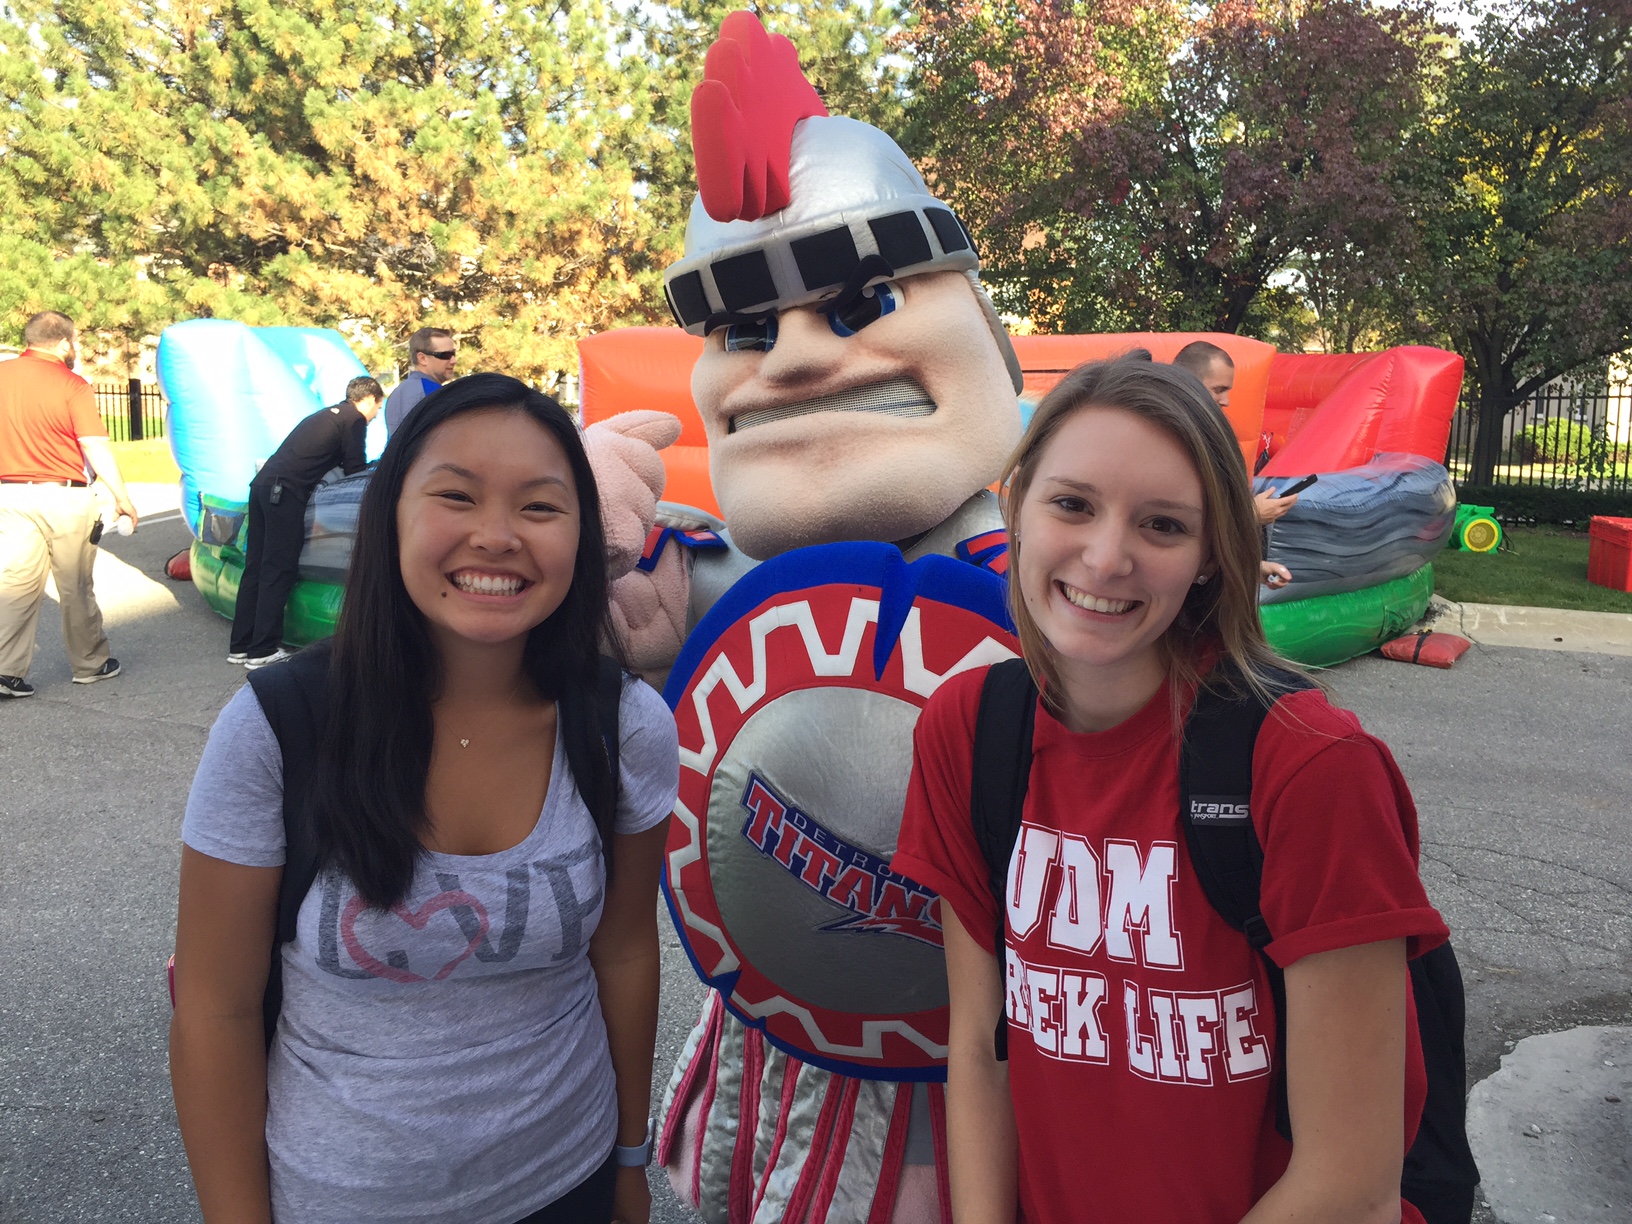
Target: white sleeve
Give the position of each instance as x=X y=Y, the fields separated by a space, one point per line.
x=648 y=758
x=235 y=809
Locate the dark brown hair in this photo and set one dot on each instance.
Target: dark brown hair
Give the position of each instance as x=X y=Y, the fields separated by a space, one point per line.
x=360 y=389
x=1198 y=357
x=47 y=327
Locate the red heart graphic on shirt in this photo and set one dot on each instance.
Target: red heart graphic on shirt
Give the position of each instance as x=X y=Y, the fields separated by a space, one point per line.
x=416 y=919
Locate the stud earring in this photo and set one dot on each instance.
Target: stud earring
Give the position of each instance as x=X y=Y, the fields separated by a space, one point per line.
x=1202 y=579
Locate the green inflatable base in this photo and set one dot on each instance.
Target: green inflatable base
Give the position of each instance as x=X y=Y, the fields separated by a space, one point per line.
x=309 y=615
x=1328 y=629
x=1317 y=632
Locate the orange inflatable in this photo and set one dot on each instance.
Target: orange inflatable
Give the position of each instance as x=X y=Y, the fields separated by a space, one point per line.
x=1332 y=415
x=1312 y=412
x=1044 y=360
x=650 y=367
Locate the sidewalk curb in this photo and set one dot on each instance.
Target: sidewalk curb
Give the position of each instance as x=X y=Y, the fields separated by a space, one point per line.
x=1533 y=628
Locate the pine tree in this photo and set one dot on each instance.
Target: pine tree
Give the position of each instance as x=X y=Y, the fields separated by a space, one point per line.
x=378 y=166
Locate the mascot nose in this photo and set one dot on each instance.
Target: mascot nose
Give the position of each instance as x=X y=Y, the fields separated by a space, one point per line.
x=805 y=346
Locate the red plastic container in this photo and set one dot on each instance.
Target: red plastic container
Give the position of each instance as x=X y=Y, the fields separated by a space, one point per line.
x=1609 y=554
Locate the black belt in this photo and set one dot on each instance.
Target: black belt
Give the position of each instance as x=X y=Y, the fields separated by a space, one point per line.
x=61 y=484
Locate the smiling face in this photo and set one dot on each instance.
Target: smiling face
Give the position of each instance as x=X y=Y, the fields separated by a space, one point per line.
x=487 y=527
x=1111 y=536
x=870 y=424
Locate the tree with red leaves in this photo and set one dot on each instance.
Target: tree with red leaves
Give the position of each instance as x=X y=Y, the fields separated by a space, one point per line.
x=1524 y=204
x=1164 y=170
x=999 y=96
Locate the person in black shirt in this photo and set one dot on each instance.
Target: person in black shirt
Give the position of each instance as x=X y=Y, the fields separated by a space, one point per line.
x=332 y=437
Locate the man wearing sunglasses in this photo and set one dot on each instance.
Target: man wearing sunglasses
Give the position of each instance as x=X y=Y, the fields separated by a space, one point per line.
x=431 y=353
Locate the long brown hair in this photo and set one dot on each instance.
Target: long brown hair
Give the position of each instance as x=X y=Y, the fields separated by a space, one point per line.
x=1219 y=618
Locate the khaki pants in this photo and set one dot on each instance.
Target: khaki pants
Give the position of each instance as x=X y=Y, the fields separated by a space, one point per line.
x=47 y=529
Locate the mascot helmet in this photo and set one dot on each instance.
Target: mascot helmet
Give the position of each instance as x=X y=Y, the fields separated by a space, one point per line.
x=795 y=205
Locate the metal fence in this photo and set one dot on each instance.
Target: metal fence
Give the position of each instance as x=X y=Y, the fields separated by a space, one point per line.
x=132 y=410
x=1565 y=437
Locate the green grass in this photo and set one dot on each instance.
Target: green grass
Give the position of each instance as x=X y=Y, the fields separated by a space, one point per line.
x=147 y=461
x=1537 y=567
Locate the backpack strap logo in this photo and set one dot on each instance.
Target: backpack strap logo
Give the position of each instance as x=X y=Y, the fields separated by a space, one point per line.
x=1219 y=810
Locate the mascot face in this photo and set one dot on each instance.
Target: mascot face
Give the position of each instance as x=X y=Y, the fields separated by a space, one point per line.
x=816 y=436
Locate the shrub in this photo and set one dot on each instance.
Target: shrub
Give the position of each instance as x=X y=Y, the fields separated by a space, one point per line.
x=1543 y=504
x=1554 y=441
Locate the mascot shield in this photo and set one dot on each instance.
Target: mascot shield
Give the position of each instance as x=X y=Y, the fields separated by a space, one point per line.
x=796 y=698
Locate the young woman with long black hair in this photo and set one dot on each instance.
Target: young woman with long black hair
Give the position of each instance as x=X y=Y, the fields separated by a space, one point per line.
x=1143 y=1053
x=470 y=999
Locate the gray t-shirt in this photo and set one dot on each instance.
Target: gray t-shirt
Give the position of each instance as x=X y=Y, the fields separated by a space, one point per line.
x=404 y=396
x=446 y=1060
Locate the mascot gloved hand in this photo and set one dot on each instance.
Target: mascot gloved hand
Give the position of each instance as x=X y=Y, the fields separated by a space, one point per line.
x=649 y=588
x=859 y=395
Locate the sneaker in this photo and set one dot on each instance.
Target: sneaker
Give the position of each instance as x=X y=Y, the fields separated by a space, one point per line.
x=15 y=686
x=107 y=671
x=238 y=656
x=277 y=656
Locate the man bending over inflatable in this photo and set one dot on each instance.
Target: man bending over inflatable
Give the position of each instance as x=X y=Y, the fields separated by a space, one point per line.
x=859 y=395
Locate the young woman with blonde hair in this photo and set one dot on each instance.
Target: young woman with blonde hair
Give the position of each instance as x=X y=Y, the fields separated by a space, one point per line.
x=1143 y=1056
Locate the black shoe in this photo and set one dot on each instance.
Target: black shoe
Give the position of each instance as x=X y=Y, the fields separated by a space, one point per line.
x=15 y=686
x=107 y=671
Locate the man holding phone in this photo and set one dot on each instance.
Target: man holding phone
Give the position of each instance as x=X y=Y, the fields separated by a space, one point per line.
x=431 y=354
x=1215 y=369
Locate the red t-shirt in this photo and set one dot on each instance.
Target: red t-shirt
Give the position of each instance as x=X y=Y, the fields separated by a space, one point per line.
x=45 y=408
x=1142 y=1039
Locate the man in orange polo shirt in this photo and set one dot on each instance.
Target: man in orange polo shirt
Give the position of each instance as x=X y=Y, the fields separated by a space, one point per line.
x=50 y=434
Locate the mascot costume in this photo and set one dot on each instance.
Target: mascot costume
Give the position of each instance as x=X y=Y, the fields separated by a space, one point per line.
x=859 y=396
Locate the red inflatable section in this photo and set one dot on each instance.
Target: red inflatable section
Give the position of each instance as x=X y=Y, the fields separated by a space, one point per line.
x=1044 y=360
x=1297 y=384
x=1326 y=413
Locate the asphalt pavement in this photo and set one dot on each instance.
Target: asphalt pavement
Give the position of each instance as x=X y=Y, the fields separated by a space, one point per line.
x=1518 y=759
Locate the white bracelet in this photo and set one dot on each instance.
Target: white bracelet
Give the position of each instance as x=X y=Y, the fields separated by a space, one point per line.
x=637 y=1157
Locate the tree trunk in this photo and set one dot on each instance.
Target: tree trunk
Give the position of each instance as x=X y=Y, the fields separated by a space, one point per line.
x=1491 y=412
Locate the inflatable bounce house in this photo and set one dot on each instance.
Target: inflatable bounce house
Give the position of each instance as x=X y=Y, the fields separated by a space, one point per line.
x=1373 y=426
x=1360 y=542
x=234 y=393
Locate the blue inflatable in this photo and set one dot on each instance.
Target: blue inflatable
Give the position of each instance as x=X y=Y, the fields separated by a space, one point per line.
x=236 y=391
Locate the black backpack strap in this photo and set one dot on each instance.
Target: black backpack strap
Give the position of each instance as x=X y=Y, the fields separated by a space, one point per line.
x=1001 y=772
x=1215 y=798
x=294 y=697
x=1440 y=1173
